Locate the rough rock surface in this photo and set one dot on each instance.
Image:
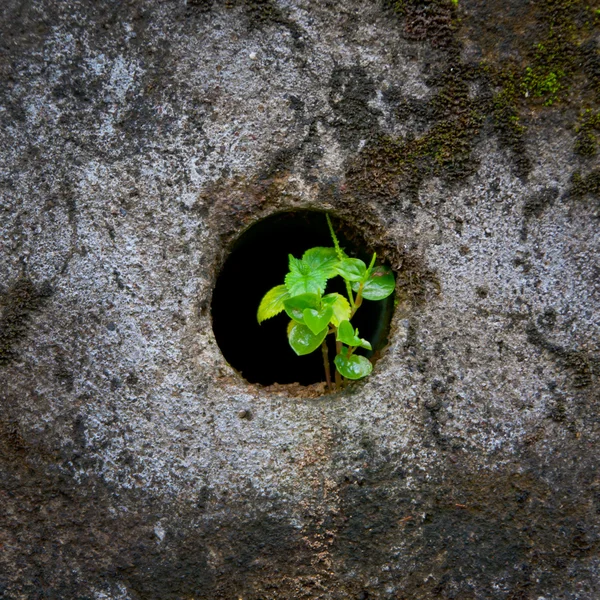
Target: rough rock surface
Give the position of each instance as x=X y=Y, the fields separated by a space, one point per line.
x=138 y=139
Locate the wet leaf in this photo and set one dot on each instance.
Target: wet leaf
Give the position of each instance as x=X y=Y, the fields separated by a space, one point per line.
x=295 y=305
x=352 y=269
x=341 y=308
x=353 y=367
x=348 y=336
x=272 y=303
x=379 y=285
x=322 y=259
x=317 y=320
x=303 y=340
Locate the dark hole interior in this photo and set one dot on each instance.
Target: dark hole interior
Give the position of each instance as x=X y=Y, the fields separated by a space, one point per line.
x=258 y=262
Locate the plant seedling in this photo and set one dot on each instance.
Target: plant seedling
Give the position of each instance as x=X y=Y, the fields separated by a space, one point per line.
x=314 y=315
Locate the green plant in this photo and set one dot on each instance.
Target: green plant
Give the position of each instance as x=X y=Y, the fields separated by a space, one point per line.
x=315 y=315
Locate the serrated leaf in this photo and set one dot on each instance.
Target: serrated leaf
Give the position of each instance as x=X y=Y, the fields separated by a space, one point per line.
x=353 y=367
x=303 y=279
x=317 y=320
x=379 y=285
x=341 y=308
x=272 y=303
x=303 y=340
x=322 y=259
x=351 y=269
x=295 y=306
x=348 y=336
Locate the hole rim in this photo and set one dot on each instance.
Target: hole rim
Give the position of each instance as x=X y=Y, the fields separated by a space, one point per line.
x=350 y=233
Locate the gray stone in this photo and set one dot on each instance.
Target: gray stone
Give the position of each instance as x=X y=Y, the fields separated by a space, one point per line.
x=138 y=140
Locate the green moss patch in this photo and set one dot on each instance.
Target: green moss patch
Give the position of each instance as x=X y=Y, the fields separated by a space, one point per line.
x=553 y=61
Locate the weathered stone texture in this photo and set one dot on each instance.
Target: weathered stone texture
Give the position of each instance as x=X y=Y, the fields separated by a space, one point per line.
x=138 y=139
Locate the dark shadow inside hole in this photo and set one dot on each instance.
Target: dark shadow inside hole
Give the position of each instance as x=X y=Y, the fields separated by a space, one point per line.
x=258 y=262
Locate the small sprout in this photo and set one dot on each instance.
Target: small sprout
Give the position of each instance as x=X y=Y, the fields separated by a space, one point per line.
x=314 y=316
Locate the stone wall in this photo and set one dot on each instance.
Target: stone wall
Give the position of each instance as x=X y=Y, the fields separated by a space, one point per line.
x=139 y=139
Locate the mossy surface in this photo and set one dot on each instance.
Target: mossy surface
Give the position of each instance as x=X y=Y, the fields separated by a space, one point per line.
x=553 y=61
x=421 y=20
x=546 y=62
x=351 y=90
x=548 y=72
x=388 y=165
x=587 y=129
x=555 y=64
x=582 y=185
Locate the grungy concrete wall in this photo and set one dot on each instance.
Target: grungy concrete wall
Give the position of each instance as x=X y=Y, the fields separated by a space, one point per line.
x=138 y=139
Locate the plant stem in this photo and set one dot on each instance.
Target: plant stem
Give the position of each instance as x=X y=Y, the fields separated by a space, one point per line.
x=358 y=301
x=349 y=291
x=325 y=351
x=340 y=256
x=338 y=250
x=371 y=264
x=338 y=377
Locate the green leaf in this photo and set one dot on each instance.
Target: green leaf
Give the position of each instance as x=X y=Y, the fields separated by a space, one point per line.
x=348 y=336
x=317 y=320
x=379 y=285
x=352 y=269
x=345 y=333
x=303 y=279
x=272 y=303
x=322 y=259
x=303 y=340
x=341 y=308
x=295 y=305
x=352 y=367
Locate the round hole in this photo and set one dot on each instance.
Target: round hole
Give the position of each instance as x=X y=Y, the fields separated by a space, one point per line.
x=259 y=261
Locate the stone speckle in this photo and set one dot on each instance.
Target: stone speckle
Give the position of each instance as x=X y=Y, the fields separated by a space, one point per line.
x=138 y=140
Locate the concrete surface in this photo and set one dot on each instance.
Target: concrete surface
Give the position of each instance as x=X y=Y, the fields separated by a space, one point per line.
x=138 y=139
